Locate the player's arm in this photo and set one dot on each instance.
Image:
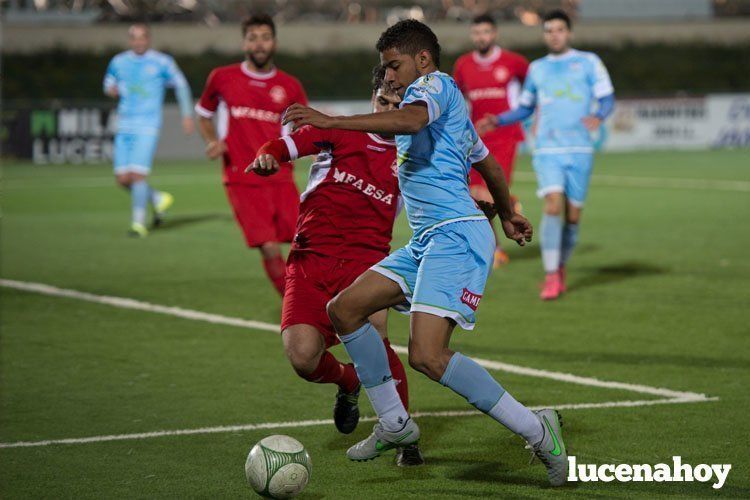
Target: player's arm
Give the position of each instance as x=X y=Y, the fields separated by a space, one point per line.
x=110 y=81
x=603 y=92
x=205 y=109
x=303 y=142
x=405 y=121
x=515 y=226
x=184 y=95
x=526 y=106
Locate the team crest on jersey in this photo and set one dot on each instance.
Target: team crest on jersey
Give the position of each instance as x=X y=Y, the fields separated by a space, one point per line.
x=501 y=73
x=471 y=299
x=278 y=94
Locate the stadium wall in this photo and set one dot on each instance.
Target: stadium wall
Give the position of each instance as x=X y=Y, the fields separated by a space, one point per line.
x=65 y=134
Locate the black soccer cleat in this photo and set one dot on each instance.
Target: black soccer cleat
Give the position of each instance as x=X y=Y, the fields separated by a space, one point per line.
x=409 y=456
x=346 y=410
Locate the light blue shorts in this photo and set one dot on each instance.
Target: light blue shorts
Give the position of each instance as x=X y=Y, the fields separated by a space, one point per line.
x=564 y=173
x=134 y=152
x=444 y=273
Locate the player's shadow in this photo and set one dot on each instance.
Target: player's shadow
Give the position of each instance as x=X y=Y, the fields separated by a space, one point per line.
x=180 y=221
x=613 y=273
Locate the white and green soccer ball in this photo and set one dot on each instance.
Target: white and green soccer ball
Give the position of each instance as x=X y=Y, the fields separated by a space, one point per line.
x=278 y=467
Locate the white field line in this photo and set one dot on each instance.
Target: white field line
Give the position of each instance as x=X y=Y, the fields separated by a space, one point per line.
x=654 y=182
x=602 y=180
x=312 y=423
x=190 y=314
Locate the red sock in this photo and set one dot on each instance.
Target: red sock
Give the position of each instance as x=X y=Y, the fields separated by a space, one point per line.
x=332 y=371
x=398 y=373
x=276 y=271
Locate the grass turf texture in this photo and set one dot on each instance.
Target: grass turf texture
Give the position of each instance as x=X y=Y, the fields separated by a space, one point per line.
x=658 y=296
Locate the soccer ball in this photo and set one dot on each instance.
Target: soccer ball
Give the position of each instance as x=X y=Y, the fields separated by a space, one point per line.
x=278 y=467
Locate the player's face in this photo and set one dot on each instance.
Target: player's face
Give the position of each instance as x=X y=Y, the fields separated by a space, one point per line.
x=401 y=70
x=259 y=45
x=483 y=36
x=557 y=36
x=139 y=39
x=385 y=99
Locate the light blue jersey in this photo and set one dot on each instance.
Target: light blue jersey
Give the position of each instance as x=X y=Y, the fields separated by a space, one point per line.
x=564 y=88
x=434 y=163
x=141 y=81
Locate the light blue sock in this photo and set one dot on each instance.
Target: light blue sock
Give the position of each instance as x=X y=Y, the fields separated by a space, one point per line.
x=465 y=377
x=139 y=195
x=367 y=350
x=569 y=240
x=551 y=241
x=154 y=196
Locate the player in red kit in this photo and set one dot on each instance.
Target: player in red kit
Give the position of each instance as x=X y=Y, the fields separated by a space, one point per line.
x=255 y=94
x=344 y=227
x=490 y=78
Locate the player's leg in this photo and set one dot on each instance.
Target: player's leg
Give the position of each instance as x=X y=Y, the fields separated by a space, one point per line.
x=273 y=263
x=478 y=190
x=550 y=174
x=141 y=156
x=284 y=199
x=578 y=175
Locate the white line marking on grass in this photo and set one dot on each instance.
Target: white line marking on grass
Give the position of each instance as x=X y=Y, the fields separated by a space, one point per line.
x=259 y=325
x=313 y=423
x=654 y=182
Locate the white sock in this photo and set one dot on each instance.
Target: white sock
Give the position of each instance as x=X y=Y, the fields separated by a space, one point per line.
x=517 y=418
x=388 y=406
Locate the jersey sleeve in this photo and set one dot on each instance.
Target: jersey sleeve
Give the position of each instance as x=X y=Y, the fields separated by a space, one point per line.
x=176 y=79
x=210 y=98
x=601 y=84
x=432 y=91
x=528 y=94
x=478 y=152
x=110 y=76
x=308 y=141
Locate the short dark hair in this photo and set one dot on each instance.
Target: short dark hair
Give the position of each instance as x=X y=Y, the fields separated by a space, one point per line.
x=484 y=18
x=410 y=37
x=378 y=76
x=258 y=20
x=558 y=14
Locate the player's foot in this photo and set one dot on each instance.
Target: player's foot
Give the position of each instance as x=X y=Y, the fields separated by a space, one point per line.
x=516 y=204
x=562 y=275
x=409 y=456
x=551 y=449
x=166 y=200
x=346 y=410
x=551 y=286
x=381 y=440
x=501 y=258
x=137 y=230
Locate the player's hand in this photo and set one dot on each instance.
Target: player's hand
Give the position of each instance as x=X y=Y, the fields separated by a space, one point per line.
x=299 y=116
x=488 y=208
x=264 y=165
x=591 y=122
x=188 y=125
x=486 y=124
x=519 y=229
x=214 y=149
x=113 y=92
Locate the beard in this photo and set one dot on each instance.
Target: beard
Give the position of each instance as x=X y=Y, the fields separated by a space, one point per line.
x=484 y=49
x=260 y=60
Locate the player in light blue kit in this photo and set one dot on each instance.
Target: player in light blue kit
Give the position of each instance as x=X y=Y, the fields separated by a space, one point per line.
x=440 y=275
x=139 y=78
x=563 y=86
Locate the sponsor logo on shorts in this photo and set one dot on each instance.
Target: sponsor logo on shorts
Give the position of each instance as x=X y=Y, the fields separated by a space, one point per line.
x=471 y=299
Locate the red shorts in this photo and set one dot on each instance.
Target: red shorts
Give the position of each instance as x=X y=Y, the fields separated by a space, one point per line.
x=265 y=213
x=505 y=154
x=311 y=281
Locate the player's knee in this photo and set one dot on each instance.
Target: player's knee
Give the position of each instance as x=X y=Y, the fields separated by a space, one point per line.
x=428 y=364
x=123 y=181
x=304 y=359
x=553 y=204
x=338 y=312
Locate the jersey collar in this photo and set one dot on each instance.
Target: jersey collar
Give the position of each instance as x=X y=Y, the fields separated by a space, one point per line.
x=492 y=56
x=255 y=74
x=559 y=57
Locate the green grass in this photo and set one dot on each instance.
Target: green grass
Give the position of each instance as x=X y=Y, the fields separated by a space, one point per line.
x=659 y=294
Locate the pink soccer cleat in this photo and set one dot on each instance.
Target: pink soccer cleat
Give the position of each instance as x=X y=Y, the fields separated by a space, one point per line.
x=551 y=288
x=561 y=274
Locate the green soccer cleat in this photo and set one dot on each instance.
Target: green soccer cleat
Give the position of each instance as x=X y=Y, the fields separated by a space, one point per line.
x=137 y=230
x=346 y=410
x=165 y=201
x=381 y=440
x=551 y=449
x=409 y=456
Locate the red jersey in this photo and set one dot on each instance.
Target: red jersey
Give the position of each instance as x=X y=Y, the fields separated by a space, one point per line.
x=352 y=196
x=492 y=84
x=254 y=104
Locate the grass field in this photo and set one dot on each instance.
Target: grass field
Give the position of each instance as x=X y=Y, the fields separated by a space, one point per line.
x=659 y=297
